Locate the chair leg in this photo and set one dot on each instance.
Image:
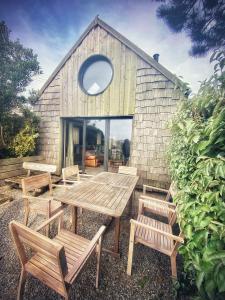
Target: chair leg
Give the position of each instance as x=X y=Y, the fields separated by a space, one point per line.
x=23 y=276
x=131 y=249
x=173 y=266
x=47 y=230
x=99 y=246
x=26 y=216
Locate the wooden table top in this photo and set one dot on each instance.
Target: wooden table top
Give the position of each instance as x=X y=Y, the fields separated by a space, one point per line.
x=106 y=193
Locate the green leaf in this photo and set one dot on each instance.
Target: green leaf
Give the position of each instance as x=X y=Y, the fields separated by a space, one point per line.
x=220 y=280
x=217 y=255
x=199 y=279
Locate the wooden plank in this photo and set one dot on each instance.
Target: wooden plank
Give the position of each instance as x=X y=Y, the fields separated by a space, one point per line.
x=11 y=161
x=13 y=167
x=9 y=174
x=39 y=167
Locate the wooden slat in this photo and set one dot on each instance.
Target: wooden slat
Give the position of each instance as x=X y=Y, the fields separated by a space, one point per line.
x=12 y=174
x=46 y=278
x=154 y=239
x=35 y=182
x=106 y=193
x=39 y=167
x=11 y=161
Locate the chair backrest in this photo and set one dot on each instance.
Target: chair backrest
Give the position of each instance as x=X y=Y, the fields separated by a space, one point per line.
x=39 y=167
x=71 y=171
x=36 y=182
x=45 y=252
x=127 y=170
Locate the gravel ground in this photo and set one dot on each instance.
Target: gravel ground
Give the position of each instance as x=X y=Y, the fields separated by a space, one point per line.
x=151 y=270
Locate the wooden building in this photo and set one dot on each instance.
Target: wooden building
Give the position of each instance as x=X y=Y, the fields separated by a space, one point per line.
x=108 y=99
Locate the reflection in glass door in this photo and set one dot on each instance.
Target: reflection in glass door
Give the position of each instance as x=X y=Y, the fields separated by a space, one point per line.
x=119 y=142
x=95 y=140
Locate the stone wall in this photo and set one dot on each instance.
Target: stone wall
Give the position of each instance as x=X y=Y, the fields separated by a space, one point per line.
x=156 y=102
x=48 y=109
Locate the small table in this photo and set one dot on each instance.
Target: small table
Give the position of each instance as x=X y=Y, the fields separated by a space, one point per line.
x=106 y=193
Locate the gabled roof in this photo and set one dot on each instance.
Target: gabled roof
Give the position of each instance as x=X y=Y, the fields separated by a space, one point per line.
x=98 y=22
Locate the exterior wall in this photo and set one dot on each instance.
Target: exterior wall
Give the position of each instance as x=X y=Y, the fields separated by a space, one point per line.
x=119 y=97
x=156 y=102
x=136 y=89
x=48 y=109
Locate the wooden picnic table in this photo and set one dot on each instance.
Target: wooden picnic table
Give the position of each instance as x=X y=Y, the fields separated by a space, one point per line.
x=106 y=193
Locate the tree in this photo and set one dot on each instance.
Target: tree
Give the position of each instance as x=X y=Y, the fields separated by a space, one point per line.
x=17 y=67
x=202 y=20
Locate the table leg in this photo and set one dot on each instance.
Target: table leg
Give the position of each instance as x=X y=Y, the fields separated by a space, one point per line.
x=117 y=235
x=74 y=219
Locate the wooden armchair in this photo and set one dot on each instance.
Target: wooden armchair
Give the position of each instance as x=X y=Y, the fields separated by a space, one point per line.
x=158 y=207
x=71 y=175
x=168 y=193
x=156 y=235
x=56 y=262
x=41 y=205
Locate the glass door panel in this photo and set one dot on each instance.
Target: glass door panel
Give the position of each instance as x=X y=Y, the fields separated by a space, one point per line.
x=95 y=141
x=119 y=142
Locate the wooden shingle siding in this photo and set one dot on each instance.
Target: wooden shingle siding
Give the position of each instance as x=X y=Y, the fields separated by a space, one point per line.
x=48 y=109
x=156 y=102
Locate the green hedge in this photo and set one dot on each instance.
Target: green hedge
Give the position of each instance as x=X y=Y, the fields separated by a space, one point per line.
x=197 y=165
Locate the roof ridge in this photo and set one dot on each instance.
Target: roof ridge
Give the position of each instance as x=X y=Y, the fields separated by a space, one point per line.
x=122 y=39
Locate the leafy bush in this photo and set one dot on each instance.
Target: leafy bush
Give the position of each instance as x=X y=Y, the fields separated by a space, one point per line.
x=197 y=164
x=24 y=142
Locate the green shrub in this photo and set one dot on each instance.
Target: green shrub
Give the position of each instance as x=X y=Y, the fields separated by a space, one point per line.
x=197 y=165
x=24 y=142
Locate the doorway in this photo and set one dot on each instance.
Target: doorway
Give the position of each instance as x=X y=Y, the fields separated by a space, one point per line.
x=96 y=144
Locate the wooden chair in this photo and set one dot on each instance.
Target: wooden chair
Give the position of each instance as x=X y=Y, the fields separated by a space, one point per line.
x=127 y=170
x=153 y=188
x=56 y=262
x=71 y=175
x=156 y=235
x=158 y=207
x=41 y=205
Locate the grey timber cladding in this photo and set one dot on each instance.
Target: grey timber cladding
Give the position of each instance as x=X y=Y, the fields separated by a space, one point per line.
x=118 y=98
x=156 y=102
x=48 y=109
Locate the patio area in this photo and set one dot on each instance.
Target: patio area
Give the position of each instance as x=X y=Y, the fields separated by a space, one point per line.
x=151 y=270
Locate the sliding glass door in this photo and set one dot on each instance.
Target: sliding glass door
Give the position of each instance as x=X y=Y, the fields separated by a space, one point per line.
x=97 y=144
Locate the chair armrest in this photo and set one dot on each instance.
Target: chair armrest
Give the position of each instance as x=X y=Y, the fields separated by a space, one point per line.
x=157 y=205
x=169 y=235
x=163 y=202
x=83 y=258
x=154 y=188
x=45 y=223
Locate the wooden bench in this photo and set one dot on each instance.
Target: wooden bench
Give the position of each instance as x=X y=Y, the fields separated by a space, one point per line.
x=34 y=168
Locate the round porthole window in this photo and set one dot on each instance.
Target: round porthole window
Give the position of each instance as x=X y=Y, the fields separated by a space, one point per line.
x=95 y=74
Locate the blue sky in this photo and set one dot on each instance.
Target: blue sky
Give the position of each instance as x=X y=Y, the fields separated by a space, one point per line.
x=51 y=28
